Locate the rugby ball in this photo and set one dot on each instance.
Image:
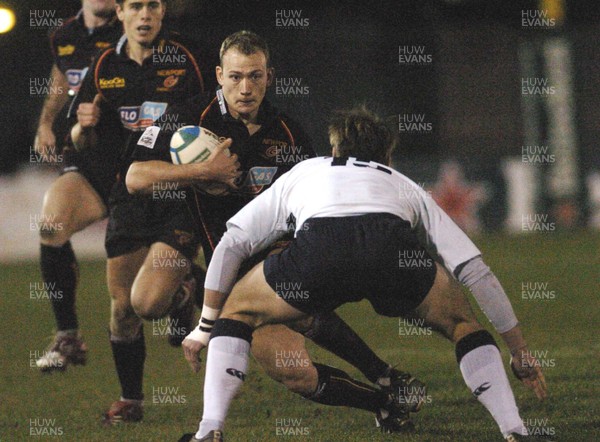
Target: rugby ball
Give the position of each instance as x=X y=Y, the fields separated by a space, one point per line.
x=194 y=144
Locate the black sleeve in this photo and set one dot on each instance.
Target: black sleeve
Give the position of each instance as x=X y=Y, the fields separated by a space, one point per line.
x=86 y=93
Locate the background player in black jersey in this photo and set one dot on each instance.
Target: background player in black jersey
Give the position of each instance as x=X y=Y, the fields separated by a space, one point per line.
x=74 y=44
x=262 y=138
x=150 y=243
x=353 y=222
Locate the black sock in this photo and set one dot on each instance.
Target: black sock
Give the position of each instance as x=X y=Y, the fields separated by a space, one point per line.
x=129 y=362
x=333 y=334
x=336 y=388
x=60 y=274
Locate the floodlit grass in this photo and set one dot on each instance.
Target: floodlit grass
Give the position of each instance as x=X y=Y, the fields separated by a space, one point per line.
x=564 y=329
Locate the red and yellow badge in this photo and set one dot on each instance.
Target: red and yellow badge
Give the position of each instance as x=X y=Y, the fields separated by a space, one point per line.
x=65 y=50
x=170 y=81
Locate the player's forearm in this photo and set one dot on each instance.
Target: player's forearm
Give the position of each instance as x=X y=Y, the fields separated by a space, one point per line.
x=56 y=98
x=514 y=339
x=489 y=294
x=143 y=176
x=83 y=138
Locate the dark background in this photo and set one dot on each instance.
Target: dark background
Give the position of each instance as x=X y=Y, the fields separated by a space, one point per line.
x=348 y=55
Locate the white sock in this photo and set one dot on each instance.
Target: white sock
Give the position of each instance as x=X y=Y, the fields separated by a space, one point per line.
x=226 y=366
x=484 y=374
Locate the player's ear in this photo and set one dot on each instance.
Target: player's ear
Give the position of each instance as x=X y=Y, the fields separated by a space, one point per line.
x=119 y=10
x=270 y=75
x=219 y=74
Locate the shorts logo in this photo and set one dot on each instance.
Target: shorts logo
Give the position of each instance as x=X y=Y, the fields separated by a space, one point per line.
x=75 y=77
x=116 y=82
x=238 y=374
x=257 y=178
x=65 y=50
x=141 y=117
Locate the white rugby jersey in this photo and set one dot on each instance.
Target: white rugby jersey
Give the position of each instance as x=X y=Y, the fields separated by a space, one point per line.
x=336 y=187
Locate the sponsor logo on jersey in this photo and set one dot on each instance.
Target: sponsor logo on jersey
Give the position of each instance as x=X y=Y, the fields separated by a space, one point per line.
x=75 y=77
x=65 y=50
x=170 y=72
x=102 y=44
x=257 y=178
x=112 y=83
x=140 y=117
x=149 y=137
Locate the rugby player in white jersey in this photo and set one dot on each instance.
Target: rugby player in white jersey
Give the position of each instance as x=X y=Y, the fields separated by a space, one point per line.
x=355 y=217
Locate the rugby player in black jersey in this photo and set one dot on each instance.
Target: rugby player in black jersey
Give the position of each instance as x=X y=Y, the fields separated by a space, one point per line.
x=150 y=243
x=267 y=144
x=71 y=203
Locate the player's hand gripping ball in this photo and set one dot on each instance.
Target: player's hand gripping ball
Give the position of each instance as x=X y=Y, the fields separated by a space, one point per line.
x=194 y=144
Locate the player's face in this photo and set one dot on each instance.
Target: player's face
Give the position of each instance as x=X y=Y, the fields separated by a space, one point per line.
x=244 y=79
x=142 y=20
x=100 y=8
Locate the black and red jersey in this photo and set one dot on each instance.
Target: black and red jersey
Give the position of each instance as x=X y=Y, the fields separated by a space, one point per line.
x=74 y=46
x=275 y=148
x=134 y=95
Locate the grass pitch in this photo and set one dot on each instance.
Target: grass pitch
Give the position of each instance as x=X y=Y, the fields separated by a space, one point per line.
x=552 y=280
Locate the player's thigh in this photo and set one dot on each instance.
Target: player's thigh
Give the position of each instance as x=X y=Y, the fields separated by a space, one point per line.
x=446 y=308
x=253 y=301
x=282 y=354
x=159 y=277
x=72 y=201
x=121 y=271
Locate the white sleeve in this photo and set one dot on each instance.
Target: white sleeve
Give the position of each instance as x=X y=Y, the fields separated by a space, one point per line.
x=440 y=236
x=260 y=223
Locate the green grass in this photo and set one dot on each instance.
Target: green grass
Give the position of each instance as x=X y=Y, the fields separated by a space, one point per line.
x=566 y=327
